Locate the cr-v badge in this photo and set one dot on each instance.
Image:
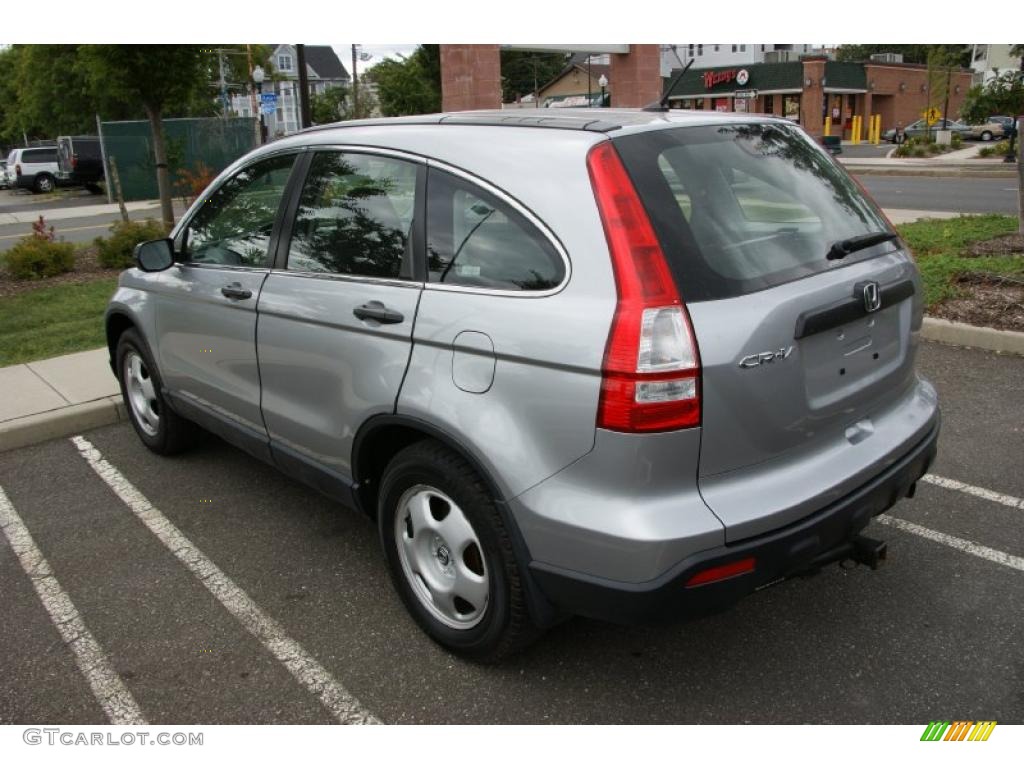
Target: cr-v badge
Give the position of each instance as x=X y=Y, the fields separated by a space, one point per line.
x=762 y=358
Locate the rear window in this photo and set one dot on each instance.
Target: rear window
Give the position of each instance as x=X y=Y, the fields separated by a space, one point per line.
x=39 y=156
x=741 y=208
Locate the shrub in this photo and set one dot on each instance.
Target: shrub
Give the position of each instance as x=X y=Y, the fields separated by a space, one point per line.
x=998 y=149
x=956 y=141
x=117 y=251
x=191 y=183
x=35 y=257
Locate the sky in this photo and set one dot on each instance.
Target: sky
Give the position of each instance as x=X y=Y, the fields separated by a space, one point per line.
x=378 y=51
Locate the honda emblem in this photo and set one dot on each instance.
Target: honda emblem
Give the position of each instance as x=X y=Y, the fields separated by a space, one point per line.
x=872 y=297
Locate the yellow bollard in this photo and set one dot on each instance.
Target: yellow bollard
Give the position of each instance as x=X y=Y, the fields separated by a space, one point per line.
x=828 y=125
x=855 y=130
x=877 y=135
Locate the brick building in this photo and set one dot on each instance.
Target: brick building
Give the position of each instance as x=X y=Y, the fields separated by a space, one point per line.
x=814 y=87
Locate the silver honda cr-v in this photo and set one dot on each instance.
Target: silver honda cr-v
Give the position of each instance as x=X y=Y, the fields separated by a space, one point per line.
x=617 y=364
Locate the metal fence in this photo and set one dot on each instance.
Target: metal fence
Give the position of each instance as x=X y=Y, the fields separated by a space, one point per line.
x=191 y=143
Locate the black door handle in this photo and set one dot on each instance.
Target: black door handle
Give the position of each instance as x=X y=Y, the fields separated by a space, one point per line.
x=374 y=310
x=236 y=291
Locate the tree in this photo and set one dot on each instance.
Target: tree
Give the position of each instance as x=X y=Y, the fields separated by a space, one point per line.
x=1002 y=95
x=157 y=78
x=409 y=85
x=524 y=72
x=335 y=104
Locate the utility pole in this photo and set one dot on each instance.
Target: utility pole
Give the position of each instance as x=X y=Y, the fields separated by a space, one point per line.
x=355 y=83
x=223 y=83
x=300 y=55
x=253 y=101
x=945 y=110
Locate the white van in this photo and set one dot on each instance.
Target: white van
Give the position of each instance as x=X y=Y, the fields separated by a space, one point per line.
x=34 y=168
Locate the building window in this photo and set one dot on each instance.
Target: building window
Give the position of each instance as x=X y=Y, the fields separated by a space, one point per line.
x=716 y=49
x=700 y=49
x=743 y=49
x=284 y=63
x=762 y=47
x=691 y=50
x=769 y=105
x=734 y=48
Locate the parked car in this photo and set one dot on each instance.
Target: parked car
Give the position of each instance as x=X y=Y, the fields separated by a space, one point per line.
x=987 y=131
x=920 y=128
x=5 y=182
x=80 y=162
x=1009 y=124
x=34 y=168
x=569 y=365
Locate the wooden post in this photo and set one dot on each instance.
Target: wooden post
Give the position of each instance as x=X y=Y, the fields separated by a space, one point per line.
x=116 y=180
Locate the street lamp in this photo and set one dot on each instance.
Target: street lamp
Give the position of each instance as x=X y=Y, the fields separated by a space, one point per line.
x=257 y=77
x=603 y=82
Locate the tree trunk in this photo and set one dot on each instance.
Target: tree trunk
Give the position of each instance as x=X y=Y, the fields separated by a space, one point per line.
x=163 y=177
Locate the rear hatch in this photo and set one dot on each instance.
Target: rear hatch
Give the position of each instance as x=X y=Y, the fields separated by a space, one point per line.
x=801 y=355
x=65 y=156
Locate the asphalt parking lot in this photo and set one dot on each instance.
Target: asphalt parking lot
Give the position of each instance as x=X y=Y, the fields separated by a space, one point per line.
x=934 y=634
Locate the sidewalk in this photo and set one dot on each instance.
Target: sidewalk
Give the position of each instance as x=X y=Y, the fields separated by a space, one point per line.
x=53 y=398
x=47 y=399
x=959 y=162
x=87 y=211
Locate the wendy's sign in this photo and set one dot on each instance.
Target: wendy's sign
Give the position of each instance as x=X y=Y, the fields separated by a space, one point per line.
x=711 y=79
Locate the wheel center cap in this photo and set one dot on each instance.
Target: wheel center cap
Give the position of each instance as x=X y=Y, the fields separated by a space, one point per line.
x=444 y=556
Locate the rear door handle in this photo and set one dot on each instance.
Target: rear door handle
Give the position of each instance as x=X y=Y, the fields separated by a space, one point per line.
x=236 y=291
x=375 y=310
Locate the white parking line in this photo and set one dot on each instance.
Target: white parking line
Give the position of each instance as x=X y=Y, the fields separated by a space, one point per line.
x=964 y=545
x=107 y=687
x=345 y=708
x=973 y=490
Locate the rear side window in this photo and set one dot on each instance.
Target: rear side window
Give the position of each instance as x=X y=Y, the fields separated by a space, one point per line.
x=39 y=156
x=355 y=216
x=475 y=239
x=741 y=208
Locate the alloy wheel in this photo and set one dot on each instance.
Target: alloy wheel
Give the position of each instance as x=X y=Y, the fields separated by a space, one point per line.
x=141 y=393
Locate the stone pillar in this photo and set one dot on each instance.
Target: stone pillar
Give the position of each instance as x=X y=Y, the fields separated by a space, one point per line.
x=636 y=76
x=811 y=100
x=865 y=132
x=470 y=77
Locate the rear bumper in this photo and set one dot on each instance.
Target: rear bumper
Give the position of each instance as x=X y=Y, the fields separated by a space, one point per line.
x=787 y=551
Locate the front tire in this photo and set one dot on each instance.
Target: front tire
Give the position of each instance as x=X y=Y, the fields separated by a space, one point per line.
x=157 y=425
x=986 y=135
x=450 y=555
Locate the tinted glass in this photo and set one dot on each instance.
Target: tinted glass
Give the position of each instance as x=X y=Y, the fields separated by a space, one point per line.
x=355 y=216
x=39 y=156
x=740 y=208
x=234 y=227
x=475 y=239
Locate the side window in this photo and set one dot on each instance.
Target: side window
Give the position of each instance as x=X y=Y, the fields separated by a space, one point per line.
x=475 y=239
x=355 y=216
x=39 y=156
x=234 y=226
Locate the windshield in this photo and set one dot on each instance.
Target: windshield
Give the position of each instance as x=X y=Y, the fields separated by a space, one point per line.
x=741 y=208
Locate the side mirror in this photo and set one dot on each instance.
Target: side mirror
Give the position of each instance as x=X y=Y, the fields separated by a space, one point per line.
x=154 y=255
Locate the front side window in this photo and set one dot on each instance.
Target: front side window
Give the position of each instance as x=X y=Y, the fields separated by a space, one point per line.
x=233 y=228
x=475 y=239
x=355 y=217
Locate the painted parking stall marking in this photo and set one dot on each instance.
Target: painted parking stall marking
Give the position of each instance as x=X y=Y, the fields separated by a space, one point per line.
x=982 y=493
x=344 y=707
x=108 y=688
x=964 y=545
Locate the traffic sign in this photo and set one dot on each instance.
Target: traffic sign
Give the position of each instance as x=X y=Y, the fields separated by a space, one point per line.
x=751 y=94
x=931 y=115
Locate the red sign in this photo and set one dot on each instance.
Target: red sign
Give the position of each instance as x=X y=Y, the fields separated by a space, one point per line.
x=712 y=79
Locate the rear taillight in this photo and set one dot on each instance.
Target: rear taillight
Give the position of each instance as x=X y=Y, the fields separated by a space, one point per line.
x=17 y=169
x=651 y=372
x=74 y=162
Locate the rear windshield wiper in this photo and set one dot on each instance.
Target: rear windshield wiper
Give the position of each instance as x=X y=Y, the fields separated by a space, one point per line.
x=843 y=248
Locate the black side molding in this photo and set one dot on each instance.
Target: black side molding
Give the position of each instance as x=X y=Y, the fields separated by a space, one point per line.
x=847 y=310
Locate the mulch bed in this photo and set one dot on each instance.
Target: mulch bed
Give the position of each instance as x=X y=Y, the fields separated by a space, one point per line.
x=993 y=301
x=87 y=269
x=998 y=246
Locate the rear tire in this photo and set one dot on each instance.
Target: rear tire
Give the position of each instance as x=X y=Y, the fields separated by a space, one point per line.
x=157 y=425
x=44 y=183
x=450 y=555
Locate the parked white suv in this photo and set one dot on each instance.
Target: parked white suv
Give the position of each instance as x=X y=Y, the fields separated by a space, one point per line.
x=33 y=168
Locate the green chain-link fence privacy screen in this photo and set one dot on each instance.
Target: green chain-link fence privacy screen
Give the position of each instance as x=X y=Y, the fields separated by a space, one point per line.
x=191 y=143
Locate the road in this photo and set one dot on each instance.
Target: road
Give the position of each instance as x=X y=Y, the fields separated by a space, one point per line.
x=943 y=193
x=935 y=633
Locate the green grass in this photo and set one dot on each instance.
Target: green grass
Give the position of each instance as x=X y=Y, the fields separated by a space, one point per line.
x=939 y=246
x=53 y=321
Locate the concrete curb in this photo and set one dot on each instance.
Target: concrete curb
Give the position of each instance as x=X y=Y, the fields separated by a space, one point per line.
x=964 y=335
x=61 y=422
x=973 y=173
